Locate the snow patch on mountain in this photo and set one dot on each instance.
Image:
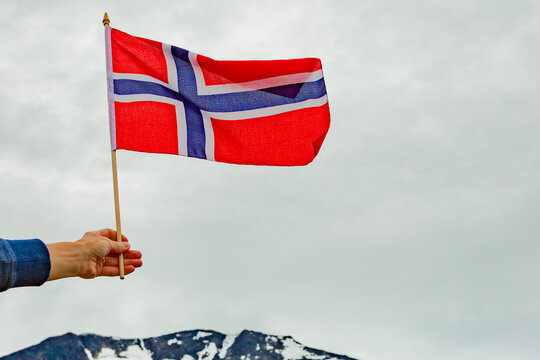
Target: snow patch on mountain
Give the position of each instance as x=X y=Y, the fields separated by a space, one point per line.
x=208 y=352
x=295 y=351
x=201 y=334
x=174 y=341
x=89 y=354
x=134 y=352
x=270 y=342
x=227 y=343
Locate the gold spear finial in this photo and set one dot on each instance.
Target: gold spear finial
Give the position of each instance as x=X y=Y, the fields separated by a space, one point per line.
x=106 y=20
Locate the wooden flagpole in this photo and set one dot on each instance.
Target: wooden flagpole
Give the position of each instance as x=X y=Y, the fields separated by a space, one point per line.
x=117 y=211
x=106 y=22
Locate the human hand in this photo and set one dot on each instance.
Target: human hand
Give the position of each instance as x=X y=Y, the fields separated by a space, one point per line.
x=95 y=254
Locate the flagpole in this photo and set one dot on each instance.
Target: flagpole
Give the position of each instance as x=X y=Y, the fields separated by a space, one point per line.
x=117 y=212
x=106 y=23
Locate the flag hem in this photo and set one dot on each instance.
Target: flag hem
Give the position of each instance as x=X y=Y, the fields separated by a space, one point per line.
x=110 y=84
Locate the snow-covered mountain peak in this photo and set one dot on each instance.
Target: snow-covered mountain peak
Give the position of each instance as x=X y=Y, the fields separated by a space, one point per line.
x=185 y=345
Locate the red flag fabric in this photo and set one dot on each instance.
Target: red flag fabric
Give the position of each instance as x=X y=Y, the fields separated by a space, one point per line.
x=164 y=99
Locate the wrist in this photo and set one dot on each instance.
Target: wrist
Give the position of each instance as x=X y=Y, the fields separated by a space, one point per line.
x=65 y=260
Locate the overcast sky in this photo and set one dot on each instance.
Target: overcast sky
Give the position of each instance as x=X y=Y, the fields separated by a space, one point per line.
x=413 y=235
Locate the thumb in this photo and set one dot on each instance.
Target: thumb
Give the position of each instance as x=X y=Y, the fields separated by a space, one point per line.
x=119 y=247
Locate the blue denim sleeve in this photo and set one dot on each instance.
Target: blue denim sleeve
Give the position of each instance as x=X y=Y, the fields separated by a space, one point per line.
x=23 y=263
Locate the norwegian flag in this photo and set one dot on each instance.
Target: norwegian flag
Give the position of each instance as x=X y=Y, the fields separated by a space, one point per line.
x=164 y=99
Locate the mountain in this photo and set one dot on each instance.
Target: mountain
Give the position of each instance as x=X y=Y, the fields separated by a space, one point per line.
x=185 y=345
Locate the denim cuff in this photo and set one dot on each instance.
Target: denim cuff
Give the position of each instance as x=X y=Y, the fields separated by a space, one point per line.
x=33 y=263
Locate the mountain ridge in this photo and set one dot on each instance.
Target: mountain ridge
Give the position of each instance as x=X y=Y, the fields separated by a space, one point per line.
x=184 y=345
